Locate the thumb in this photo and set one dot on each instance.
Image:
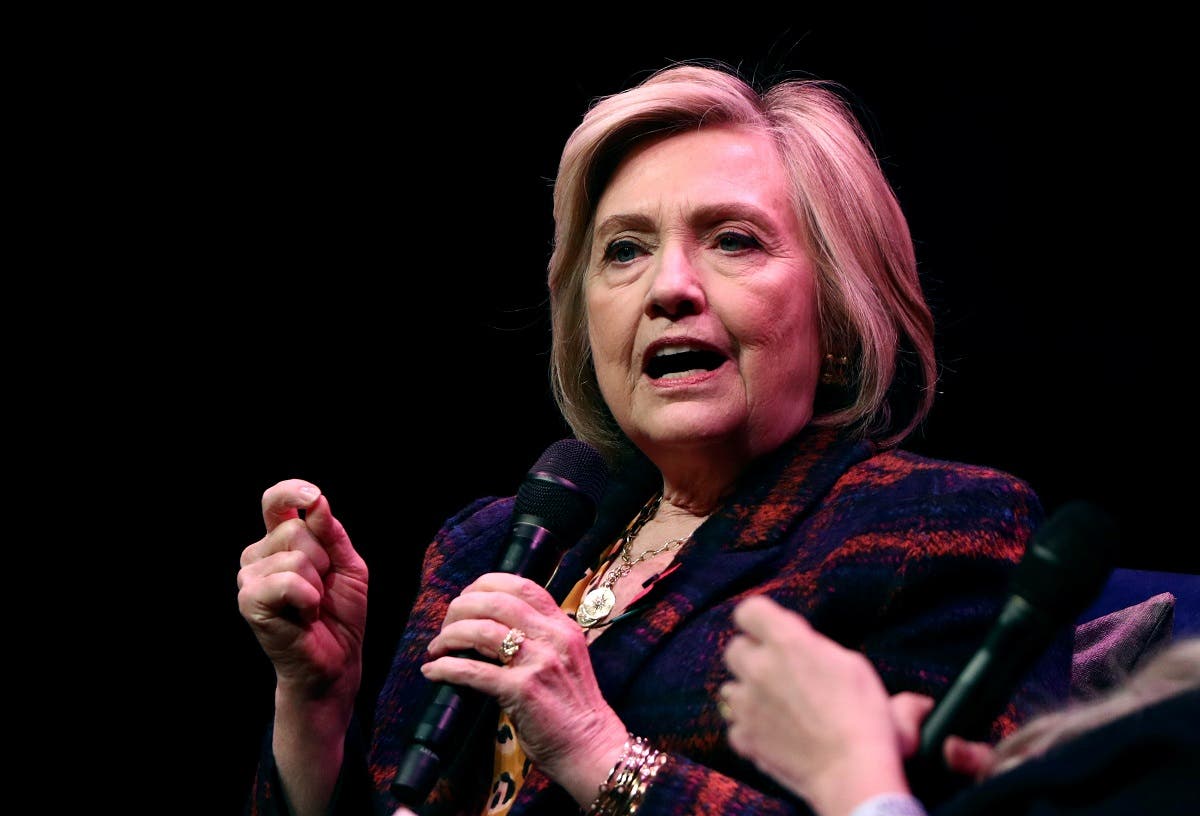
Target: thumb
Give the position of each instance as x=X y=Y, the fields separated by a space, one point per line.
x=909 y=710
x=332 y=535
x=968 y=757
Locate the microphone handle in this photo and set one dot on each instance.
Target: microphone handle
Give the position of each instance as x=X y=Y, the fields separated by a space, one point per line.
x=450 y=714
x=452 y=710
x=531 y=550
x=977 y=696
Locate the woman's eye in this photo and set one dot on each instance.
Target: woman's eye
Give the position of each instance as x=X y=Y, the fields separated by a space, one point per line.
x=621 y=251
x=735 y=242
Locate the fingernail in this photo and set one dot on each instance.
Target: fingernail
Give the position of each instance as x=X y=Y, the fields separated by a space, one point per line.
x=309 y=492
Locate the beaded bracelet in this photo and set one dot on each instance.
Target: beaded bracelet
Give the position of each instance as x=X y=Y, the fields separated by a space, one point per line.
x=622 y=792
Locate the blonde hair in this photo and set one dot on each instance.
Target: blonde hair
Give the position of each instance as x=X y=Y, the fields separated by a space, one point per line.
x=870 y=304
x=1173 y=670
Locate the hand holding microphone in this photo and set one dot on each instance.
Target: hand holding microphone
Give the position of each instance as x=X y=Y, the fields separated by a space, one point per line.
x=555 y=506
x=1064 y=567
x=815 y=716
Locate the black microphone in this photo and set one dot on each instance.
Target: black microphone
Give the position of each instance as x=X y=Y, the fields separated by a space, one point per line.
x=555 y=505
x=1065 y=565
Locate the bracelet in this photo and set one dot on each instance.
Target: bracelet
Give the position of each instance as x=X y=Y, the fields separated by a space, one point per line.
x=622 y=792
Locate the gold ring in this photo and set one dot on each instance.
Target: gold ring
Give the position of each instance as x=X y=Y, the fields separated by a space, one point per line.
x=511 y=644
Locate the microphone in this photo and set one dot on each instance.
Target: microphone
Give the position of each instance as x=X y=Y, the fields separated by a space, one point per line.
x=555 y=505
x=1065 y=565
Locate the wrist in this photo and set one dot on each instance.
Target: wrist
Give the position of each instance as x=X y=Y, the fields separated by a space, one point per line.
x=312 y=718
x=308 y=743
x=857 y=782
x=628 y=780
x=585 y=775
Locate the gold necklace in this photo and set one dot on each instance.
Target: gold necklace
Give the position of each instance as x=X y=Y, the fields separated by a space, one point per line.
x=598 y=603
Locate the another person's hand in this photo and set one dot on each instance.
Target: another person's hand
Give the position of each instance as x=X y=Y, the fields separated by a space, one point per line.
x=966 y=757
x=547 y=687
x=973 y=759
x=812 y=714
x=303 y=590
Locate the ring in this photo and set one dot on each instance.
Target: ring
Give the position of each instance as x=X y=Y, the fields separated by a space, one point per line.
x=511 y=643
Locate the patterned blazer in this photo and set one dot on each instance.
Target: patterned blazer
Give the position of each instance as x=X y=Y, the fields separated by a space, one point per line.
x=904 y=558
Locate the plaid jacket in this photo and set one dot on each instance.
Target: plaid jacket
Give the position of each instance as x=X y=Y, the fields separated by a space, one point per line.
x=904 y=558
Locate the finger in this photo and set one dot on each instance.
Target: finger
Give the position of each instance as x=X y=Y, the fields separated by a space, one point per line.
x=496 y=606
x=738 y=736
x=332 y=535
x=967 y=757
x=735 y=699
x=737 y=654
x=476 y=674
x=484 y=636
x=274 y=596
x=725 y=689
x=528 y=591
x=284 y=500
x=909 y=710
x=765 y=620
x=284 y=561
x=293 y=534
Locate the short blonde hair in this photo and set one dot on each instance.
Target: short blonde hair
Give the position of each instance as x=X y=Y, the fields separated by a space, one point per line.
x=870 y=304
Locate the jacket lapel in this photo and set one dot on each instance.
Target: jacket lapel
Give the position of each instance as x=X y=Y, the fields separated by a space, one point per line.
x=732 y=551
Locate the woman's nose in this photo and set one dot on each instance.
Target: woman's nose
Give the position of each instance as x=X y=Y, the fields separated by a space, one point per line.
x=676 y=288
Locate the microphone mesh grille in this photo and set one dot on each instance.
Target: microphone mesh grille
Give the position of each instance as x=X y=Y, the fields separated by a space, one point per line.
x=564 y=487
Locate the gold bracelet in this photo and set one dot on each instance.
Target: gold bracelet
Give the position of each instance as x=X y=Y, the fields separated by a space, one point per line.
x=614 y=791
x=653 y=764
x=621 y=793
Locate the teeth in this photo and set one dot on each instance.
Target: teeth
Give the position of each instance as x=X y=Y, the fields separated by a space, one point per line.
x=666 y=351
x=693 y=360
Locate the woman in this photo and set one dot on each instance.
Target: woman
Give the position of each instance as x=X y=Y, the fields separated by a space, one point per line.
x=736 y=311
x=815 y=716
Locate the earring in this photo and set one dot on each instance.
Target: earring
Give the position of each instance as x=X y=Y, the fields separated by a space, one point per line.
x=835 y=370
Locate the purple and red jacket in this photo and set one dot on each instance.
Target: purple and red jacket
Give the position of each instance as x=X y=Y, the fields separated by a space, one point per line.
x=904 y=558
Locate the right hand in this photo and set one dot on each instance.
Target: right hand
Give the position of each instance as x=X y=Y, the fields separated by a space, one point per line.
x=303 y=589
x=811 y=713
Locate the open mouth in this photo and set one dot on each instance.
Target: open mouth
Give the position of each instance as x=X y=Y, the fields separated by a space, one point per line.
x=682 y=361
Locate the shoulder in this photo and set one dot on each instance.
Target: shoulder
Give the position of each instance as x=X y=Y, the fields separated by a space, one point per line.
x=903 y=470
x=479 y=517
x=468 y=538
x=906 y=477
x=904 y=492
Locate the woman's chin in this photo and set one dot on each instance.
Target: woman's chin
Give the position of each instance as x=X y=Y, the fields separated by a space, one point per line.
x=690 y=426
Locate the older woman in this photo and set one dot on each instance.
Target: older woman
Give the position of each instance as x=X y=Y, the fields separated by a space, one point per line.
x=737 y=311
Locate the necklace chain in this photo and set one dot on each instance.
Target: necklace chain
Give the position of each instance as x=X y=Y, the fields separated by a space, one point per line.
x=598 y=603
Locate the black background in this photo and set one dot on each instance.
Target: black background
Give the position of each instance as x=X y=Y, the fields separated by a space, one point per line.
x=354 y=218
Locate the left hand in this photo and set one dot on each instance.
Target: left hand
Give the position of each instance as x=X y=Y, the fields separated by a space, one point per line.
x=812 y=714
x=548 y=688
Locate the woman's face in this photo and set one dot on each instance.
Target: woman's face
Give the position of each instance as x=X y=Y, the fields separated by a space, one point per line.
x=701 y=298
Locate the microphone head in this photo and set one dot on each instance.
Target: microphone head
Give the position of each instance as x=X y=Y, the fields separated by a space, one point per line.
x=1068 y=560
x=564 y=488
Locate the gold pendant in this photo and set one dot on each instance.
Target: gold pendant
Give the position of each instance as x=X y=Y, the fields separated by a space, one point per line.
x=595 y=607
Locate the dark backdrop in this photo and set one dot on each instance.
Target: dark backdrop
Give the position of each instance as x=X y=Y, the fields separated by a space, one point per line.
x=359 y=214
